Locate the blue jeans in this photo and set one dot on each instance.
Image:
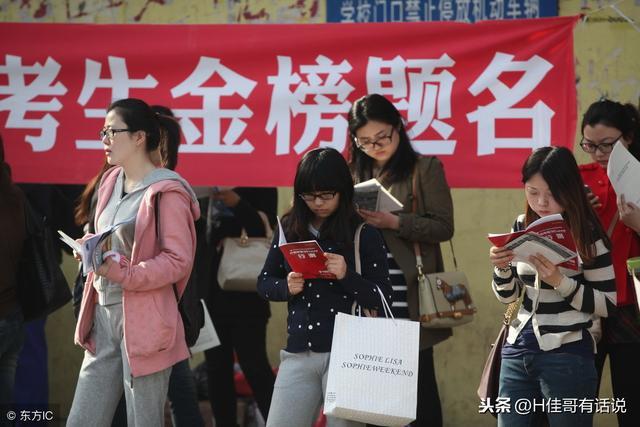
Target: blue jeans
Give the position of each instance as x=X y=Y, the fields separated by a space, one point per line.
x=11 y=339
x=546 y=376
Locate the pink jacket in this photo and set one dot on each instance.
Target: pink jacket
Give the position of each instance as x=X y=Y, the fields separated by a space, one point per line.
x=153 y=331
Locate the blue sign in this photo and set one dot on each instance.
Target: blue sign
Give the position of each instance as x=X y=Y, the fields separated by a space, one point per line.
x=437 y=10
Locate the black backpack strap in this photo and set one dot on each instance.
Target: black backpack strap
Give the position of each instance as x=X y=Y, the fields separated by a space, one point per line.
x=156 y=213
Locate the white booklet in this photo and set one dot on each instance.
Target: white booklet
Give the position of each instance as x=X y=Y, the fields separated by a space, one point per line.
x=93 y=249
x=372 y=196
x=624 y=173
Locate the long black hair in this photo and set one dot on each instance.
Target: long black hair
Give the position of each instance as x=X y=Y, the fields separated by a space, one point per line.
x=374 y=107
x=560 y=171
x=624 y=117
x=323 y=169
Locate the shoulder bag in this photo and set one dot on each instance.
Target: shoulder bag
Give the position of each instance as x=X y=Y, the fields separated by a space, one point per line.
x=490 y=379
x=444 y=298
x=242 y=259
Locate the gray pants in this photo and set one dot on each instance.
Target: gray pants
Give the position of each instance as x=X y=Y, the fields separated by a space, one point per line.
x=103 y=376
x=299 y=391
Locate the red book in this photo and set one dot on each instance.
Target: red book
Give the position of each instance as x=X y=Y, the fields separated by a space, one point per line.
x=548 y=236
x=304 y=257
x=307 y=258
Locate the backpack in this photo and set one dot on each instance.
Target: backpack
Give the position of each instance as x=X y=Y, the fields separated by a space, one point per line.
x=42 y=287
x=189 y=305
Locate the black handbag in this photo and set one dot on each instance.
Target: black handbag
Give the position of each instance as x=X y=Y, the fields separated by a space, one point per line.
x=42 y=287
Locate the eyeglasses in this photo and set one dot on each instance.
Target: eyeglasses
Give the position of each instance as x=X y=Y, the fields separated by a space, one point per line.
x=604 y=147
x=324 y=196
x=381 y=141
x=110 y=133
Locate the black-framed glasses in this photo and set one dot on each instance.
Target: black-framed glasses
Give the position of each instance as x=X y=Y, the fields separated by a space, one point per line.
x=604 y=147
x=110 y=133
x=369 y=144
x=324 y=196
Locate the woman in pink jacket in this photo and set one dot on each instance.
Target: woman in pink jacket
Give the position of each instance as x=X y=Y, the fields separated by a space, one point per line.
x=129 y=322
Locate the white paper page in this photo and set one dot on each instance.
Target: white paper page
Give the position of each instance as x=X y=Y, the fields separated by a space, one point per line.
x=530 y=244
x=70 y=242
x=624 y=173
x=548 y=218
x=208 y=337
x=281 y=237
x=388 y=203
x=367 y=195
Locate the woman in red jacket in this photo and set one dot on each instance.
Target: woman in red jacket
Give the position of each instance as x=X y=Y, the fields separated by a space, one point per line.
x=604 y=124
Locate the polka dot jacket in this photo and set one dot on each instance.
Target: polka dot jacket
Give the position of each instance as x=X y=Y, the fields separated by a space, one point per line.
x=312 y=312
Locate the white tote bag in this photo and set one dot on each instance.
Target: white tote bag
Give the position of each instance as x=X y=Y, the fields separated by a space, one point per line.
x=373 y=369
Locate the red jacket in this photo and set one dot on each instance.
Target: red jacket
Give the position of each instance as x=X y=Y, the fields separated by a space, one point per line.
x=624 y=241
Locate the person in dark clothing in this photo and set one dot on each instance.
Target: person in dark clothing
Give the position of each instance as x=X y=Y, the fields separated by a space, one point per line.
x=13 y=232
x=240 y=318
x=323 y=210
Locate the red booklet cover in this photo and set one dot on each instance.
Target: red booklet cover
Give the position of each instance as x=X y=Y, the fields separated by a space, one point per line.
x=548 y=236
x=304 y=257
x=307 y=258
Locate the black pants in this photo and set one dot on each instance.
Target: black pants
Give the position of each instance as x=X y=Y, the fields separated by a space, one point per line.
x=248 y=339
x=429 y=411
x=623 y=363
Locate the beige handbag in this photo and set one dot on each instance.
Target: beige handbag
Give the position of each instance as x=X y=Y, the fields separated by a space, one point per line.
x=242 y=259
x=444 y=298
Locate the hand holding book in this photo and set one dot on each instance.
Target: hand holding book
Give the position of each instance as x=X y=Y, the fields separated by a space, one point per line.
x=336 y=265
x=306 y=258
x=381 y=220
x=548 y=236
x=547 y=270
x=94 y=249
x=372 y=196
x=295 y=283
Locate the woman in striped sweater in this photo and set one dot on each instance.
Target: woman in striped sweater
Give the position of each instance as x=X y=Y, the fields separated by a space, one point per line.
x=549 y=353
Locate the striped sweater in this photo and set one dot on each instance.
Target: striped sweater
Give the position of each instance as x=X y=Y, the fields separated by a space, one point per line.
x=559 y=315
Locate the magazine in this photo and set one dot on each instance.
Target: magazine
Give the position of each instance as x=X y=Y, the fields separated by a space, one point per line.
x=372 y=196
x=93 y=250
x=624 y=173
x=304 y=257
x=548 y=236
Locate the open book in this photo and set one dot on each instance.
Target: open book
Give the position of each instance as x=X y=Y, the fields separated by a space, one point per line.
x=93 y=249
x=624 y=173
x=304 y=257
x=372 y=196
x=548 y=236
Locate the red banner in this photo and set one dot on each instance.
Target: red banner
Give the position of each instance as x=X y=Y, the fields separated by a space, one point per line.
x=252 y=99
